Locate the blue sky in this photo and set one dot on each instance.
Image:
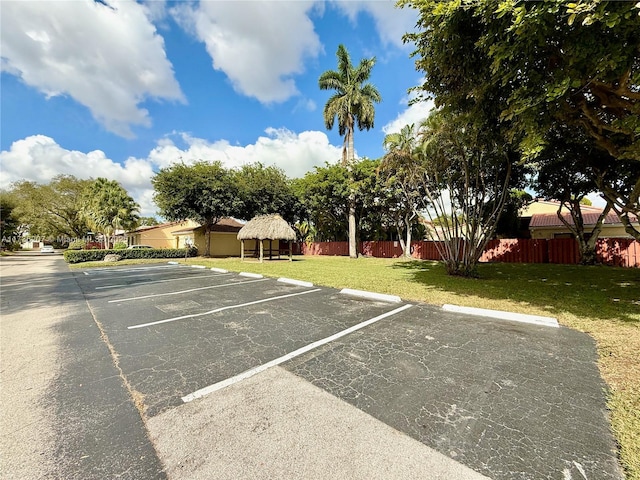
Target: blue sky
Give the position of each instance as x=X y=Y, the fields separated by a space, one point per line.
x=120 y=89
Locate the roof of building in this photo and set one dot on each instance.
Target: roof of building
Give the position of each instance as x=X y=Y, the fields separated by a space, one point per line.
x=267 y=227
x=226 y=225
x=542 y=220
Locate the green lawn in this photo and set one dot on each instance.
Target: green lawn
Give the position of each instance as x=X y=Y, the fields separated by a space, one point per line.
x=602 y=301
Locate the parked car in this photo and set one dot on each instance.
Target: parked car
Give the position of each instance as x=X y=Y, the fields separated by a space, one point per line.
x=47 y=249
x=138 y=247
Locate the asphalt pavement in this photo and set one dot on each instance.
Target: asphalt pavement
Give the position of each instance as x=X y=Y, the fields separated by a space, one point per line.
x=180 y=372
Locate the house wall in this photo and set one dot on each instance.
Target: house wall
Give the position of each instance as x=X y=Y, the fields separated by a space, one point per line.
x=223 y=244
x=159 y=237
x=608 y=231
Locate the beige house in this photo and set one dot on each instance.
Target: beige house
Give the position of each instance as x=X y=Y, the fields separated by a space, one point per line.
x=223 y=241
x=545 y=224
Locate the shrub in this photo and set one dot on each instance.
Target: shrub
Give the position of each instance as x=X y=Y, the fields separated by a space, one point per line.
x=120 y=246
x=77 y=245
x=79 y=256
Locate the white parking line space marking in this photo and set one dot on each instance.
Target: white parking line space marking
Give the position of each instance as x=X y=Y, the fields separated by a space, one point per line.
x=141 y=275
x=185 y=291
x=261 y=368
x=115 y=271
x=120 y=285
x=195 y=315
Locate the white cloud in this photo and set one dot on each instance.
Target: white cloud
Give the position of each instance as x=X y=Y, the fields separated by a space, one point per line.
x=39 y=158
x=295 y=153
x=106 y=57
x=411 y=114
x=391 y=22
x=259 y=45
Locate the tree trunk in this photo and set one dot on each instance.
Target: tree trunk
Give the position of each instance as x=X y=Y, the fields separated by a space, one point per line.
x=353 y=250
x=407 y=248
x=207 y=240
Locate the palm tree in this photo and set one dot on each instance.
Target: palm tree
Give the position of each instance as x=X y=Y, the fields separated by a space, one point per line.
x=108 y=207
x=352 y=104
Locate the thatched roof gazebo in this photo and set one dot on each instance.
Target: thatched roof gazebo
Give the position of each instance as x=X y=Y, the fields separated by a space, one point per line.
x=266 y=227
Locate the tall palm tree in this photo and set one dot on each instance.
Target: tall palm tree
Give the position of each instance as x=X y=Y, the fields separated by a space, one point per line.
x=352 y=104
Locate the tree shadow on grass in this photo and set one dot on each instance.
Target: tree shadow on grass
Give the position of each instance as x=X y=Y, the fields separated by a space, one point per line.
x=602 y=292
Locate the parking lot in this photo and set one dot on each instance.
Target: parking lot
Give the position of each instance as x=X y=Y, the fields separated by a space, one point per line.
x=504 y=399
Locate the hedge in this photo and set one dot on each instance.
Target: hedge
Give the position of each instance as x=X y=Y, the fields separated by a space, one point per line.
x=79 y=256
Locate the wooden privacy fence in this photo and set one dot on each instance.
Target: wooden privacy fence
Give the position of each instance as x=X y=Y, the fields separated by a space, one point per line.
x=611 y=251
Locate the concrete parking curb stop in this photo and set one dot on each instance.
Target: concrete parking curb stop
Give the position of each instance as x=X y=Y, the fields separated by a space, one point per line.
x=250 y=275
x=501 y=315
x=219 y=270
x=371 y=295
x=291 y=281
x=198 y=266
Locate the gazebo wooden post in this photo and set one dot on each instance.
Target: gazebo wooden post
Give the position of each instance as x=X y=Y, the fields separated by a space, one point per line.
x=270 y=249
x=290 y=251
x=261 y=251
x=242 y=250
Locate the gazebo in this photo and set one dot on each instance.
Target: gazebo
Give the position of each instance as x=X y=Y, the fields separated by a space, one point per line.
x=266 y=227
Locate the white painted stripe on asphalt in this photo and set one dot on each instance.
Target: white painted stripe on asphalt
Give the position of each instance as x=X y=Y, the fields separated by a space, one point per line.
x=117 y=270
x=516 y=317
x=120 y=285
x=371 y=295
x=221 y=309
x=185 y=291
x=252 y=275
x=291 y=281
x=219 y=270
x=86 y=273
x=130 y=276
x=261 y=368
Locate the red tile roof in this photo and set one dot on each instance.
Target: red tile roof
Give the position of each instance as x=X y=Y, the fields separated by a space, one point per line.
x=589 y=217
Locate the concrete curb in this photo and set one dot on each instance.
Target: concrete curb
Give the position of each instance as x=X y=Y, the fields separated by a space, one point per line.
x=198 y=266
x=219 y=270
x=250 y=275
x=173 y=263
x=501 y=315
x=295 y=282
x=371 y=295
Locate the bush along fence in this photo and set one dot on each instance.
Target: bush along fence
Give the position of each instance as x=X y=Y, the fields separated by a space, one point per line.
x=610 y=251
x=78 y=256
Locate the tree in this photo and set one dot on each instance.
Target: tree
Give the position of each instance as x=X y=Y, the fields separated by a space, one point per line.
x=396 y=170
x=109 y=208
x=53 y=209
x=147 y=221
x=351 y=105
x=9 y=224
x=565 y=173
x=532 y=66
x=264 y=190
x=203 y=192
x=466 y=176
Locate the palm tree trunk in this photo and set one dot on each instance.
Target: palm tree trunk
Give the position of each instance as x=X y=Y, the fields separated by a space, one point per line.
x=353 y=250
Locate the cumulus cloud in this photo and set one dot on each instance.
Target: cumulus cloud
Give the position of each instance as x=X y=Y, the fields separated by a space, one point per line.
x=39 y=158
x=391 y=22
x=106 y=56
x=295 y=153
x=259 y=46
x=411 y=114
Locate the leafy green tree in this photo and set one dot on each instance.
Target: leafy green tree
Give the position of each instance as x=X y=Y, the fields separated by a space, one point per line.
x=148 y=221
x=528 y=67
x=204 y=192
x=9 y=223
x=109 y=208
x=352 y=104
x=396 y=170
x=565 y=173
x=467 y=176
x=264 y=190
x=53 y=209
